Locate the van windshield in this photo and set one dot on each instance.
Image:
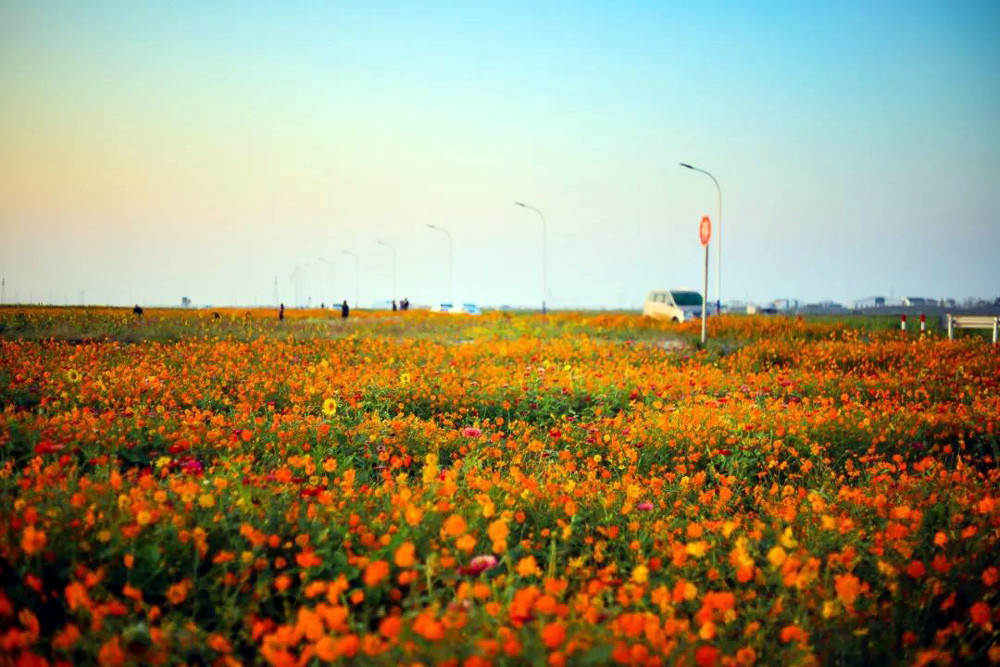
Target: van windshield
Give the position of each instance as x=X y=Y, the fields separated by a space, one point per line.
x=686 y=298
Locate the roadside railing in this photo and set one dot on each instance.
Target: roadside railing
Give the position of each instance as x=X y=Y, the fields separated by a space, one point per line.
x=974 y=322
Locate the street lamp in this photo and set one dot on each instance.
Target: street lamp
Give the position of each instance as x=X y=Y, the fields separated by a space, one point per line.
x=451 y=262
x=332 y=265
x=357 y=275
x=544 y=244
x=718 y=265
x=393 y=266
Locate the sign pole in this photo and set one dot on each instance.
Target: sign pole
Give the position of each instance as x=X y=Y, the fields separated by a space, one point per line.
x=704 y=235
x=704 y=318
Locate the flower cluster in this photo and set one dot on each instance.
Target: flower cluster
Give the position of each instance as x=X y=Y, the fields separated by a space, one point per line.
x=525 y=490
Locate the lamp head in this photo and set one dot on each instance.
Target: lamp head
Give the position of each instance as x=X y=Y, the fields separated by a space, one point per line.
x=521 y=204
x=684 y=164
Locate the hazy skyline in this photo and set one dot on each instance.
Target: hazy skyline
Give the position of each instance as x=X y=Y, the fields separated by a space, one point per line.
x=150 y=151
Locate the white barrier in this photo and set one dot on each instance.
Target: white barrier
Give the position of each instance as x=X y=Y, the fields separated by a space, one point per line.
x=974 y=322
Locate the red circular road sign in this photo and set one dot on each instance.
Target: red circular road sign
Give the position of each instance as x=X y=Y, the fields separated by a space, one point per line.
x=705 y=230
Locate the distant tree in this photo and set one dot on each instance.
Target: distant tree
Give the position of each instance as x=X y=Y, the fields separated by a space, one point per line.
x=185 y=302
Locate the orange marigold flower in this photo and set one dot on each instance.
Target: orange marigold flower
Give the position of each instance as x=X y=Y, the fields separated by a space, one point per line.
x=326 y=649
x=219 y=644
x=308 y=558
x=111 y=654
x=847 y=587
x=77 y=596
x=498 y=530
x=454 y=526
x=390 y=626
x=706 y=656
x=66 y=638
x=746 y=656
x=33 y=540
x=527 y=567
x=916 y=569
x=553 y=635
x=980 y=613
x=177 y=593
x=404 y=556
x=375 y=572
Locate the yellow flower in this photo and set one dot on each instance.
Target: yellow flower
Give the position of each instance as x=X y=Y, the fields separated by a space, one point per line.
x=73 y=375
x=776 y=556
x=330 y=407
x=206 y=500
x=697 y=549
x=527 y=567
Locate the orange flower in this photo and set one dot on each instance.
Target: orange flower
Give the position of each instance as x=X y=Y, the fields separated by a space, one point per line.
x=981 y=614
x=404 y=556
x=791 y=633
x=33 y=540
x=847 y=586
x=553 y=635
x=916 y=569
x=375 y=572
x=706 y=656
x=390 y=626
x=746 y=656
x=111 y=654
x=177 y=593
x=326 y=649
x=77 y=596
x=454 y=526
x=308 y=558
x=527 y=567
x=219 y=644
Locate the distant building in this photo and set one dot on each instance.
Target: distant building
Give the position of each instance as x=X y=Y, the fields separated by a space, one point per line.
x=870 y=302
x=786 y=304
x=918 y=302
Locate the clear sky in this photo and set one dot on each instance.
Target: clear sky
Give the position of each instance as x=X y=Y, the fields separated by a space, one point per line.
x=153 y=150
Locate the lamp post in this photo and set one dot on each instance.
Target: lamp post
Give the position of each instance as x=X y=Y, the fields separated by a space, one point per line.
x=718 y=264
x=544 y=246
x=393 y=266
x=357 y=275
x=326 y=261
x=451 y=262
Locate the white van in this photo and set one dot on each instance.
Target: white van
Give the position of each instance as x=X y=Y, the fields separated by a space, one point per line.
x=673 y=304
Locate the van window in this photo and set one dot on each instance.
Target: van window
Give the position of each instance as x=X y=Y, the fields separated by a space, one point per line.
x=686 y=298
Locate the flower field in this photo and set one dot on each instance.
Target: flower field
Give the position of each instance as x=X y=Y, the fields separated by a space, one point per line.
x=428 y=489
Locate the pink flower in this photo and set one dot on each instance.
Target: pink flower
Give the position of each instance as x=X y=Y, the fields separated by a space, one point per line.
x=645 y=506
x=471 y=432
x=479 y=564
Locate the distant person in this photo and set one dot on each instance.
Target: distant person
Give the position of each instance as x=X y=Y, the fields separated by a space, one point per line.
x=406 y=303
x=394 y=305
x=216 y=316
x=281 y=312
x=137 y=310
x=345 y=310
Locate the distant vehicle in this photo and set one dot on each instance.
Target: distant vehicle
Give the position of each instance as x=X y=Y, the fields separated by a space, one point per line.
x=464 y=309
x=673 y=305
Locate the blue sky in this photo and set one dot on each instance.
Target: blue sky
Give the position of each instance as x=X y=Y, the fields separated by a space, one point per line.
x=154 y=150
